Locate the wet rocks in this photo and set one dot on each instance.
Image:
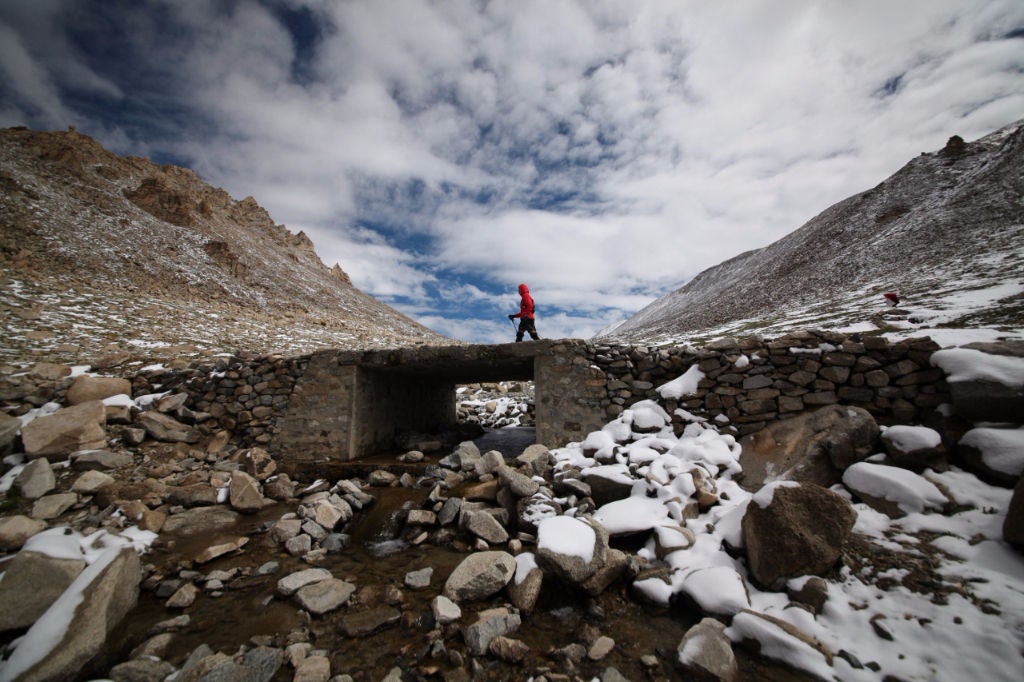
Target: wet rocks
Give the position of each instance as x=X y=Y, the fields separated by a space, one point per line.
x=323 y=596
x=365 y=623
x=488 y=625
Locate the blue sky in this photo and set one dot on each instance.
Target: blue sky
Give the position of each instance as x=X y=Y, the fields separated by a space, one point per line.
x=604 y=152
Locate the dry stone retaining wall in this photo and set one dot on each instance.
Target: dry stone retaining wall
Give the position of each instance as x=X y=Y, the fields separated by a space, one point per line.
x=753 y=382
x=580 y=386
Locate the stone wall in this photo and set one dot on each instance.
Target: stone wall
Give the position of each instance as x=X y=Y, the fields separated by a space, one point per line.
x=752 y=382
x=303 y=407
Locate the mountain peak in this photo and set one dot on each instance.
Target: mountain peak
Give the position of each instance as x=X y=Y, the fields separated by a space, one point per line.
x=946 y=231
x=77 y=217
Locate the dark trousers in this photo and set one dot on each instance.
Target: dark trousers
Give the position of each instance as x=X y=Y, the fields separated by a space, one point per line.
x=526 y=324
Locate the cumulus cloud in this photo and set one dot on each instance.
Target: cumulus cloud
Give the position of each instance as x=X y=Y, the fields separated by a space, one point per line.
x=603 y=152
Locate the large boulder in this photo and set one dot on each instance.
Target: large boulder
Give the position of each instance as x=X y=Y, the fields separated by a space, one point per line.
x=86 y=614
x=54 y=436
x=87 y=387
x=915 y=447
x=981 y=383
x=31 y=582
x=792 y=530
x=995 y=455
x=201 y=521
x=479 y=576
x=166 y=428
x=815 y=447
x=571 y=548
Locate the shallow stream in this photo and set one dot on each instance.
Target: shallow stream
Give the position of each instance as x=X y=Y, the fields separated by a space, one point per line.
x=377 y=560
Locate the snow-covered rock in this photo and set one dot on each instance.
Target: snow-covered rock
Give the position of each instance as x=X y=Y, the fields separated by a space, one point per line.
x=893 y=490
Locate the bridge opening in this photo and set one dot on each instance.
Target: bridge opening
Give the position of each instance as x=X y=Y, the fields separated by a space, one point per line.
x=349 y=405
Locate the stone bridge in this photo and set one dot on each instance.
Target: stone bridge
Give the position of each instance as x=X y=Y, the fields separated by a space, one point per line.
x=349 y=404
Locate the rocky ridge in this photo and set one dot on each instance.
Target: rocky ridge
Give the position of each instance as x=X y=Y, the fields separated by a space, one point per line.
x=98 y=251
x=946 y=231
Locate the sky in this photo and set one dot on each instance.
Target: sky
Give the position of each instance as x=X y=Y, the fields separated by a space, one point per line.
x=603 y=152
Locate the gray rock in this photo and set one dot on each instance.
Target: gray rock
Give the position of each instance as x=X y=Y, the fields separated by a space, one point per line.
x=508 y=649
x=445 y=610
x=479 y=576
x=706 y=652
x=335 y=542
x=313 y=669
x=604 y=489
x=524 y=594
x=15 y=530
x=184 y=597
x=165 y=428
x=800 y=531
x=488 y=625
x=421 y=517
x=86 y=388
x=91 y=482
x=365 y=623
x=489 y=463
x=300 y=545
x=285 y=529
x=201 y=521
x=571 y=567
x=917 y=459
x=519 y=484
x=538 y=458
x=54 y=436
x=324 y=596
x=244 y=493
x=111 y=594
x=485 y=526
x=220 y=549
x=52 y=506
x=293 y=582
x=36 y=479
x=449 y=511
x=381 y=478
x=814 y=447
x=419 y=580
x=31 y=583
x=141 y=670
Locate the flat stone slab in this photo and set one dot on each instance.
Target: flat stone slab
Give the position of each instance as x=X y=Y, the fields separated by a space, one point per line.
x=365 y=623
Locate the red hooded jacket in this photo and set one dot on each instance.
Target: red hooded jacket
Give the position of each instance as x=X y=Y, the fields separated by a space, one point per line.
x=525 y=303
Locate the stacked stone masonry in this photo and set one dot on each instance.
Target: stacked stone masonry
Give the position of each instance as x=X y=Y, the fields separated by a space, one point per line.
x=581 y=386
x=753 y=382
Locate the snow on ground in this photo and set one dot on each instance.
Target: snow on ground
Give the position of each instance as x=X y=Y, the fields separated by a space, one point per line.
x=971 y=626
x=1001 y=450
x=967 y=364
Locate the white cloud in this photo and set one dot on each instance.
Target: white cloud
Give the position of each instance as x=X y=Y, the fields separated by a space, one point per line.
x=602 y=152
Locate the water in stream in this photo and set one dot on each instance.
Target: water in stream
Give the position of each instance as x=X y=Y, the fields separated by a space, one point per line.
x=248 y=609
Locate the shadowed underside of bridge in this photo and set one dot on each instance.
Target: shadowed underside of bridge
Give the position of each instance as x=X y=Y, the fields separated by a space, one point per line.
x=351 y=404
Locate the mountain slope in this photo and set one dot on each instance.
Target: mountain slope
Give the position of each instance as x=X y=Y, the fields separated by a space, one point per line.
x=946 y=231
x=85 y=229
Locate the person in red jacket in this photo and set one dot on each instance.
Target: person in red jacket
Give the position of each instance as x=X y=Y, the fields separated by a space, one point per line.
x=525 y=315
